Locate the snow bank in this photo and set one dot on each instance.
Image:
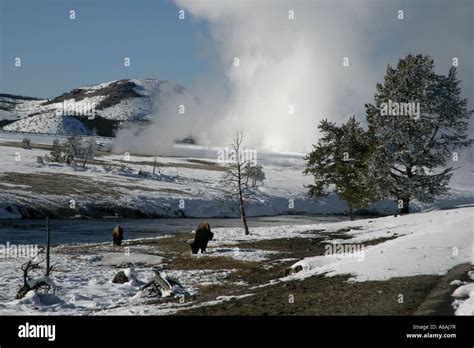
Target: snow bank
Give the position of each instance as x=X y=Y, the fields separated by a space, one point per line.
x=464 y=297
x=465 y=307
x=427 y=243
x=463 y=291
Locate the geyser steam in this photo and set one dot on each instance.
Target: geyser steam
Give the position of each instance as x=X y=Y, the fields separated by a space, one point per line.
x=281 y=68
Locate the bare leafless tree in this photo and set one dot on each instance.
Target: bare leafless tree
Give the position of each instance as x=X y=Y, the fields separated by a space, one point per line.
x=235 y=178
x=30 y=283
x=87 y=151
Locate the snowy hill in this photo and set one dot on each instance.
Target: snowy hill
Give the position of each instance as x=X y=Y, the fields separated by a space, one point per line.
x=13 y=107
x=119 y=101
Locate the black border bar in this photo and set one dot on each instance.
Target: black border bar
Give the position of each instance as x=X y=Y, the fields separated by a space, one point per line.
x=219 y=330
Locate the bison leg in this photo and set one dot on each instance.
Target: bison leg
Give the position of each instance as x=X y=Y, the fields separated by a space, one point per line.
x=204 y=247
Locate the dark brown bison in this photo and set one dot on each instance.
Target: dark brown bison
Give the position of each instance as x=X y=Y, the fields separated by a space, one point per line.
x=117 y=234
x=202 y=237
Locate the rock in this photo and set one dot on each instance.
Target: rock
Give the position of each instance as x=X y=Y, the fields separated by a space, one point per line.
x=131 y=274
x=120 y=278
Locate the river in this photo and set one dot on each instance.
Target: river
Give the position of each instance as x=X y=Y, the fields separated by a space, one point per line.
x=68 y=231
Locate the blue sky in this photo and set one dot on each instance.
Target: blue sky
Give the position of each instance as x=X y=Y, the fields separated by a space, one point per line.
x=58 y=54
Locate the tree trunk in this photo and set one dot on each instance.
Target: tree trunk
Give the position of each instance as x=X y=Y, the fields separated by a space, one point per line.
x=154 y=166
x=241 y=201
x=406 y=206
x=48 y=246
x=351 y=214
x=406 y=200
x=243 y=216
x=84 y=164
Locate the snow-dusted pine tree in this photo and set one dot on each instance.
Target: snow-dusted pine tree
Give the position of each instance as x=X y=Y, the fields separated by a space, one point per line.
x=56 y=154
x=339 y=163
x=417 y=121
x=254 y=173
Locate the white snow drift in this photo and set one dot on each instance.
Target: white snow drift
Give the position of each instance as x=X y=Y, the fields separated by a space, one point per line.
x=426 y=243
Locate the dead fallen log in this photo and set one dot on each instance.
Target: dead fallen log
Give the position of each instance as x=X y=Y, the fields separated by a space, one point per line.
x=161 y=286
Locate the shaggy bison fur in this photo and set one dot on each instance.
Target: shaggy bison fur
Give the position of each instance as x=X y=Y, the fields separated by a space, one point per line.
x=202 y=237
x=117 y=234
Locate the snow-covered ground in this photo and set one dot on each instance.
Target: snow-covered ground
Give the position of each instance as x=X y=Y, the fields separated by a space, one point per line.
x=179 y=179
x=424 y=244
x=188 y=182
x=86 y=288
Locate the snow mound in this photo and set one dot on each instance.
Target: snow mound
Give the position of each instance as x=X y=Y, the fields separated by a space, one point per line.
x=464 y=291
x=464 y=298
x=465 y=307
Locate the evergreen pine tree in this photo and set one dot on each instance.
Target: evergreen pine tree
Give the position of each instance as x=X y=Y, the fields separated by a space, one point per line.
x=339 y=164
x=56 y=153
x=410 y=153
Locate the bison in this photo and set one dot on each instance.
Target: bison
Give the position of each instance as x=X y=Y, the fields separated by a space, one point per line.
x=117 y=234
x=202 y=237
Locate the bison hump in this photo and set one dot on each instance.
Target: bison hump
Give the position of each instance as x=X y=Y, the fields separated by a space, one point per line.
x=204 y=226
